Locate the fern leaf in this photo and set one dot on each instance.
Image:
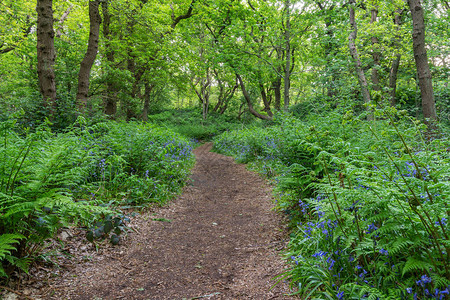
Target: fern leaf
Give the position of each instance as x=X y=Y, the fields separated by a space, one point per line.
x=413 y=264
x=7 y=242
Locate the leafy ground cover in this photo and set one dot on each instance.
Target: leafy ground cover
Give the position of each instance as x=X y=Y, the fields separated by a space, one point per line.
x=367 y=202
x=189 y=123
x=83 y=176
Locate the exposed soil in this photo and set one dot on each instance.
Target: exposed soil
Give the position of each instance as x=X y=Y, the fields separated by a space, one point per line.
x=223 y=241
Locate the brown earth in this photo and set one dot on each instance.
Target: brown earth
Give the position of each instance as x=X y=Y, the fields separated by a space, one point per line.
x=223 y=241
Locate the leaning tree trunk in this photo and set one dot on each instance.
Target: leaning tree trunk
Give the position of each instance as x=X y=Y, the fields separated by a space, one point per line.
x=89 y=57
x=249 y=101
x=420 y=56
x=266 y=102
x=46 y=54
x=354 y=52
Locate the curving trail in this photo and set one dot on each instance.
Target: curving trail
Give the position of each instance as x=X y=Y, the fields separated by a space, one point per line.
x=223 y=242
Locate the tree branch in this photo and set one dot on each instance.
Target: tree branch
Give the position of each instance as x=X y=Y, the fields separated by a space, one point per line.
x=187 y=15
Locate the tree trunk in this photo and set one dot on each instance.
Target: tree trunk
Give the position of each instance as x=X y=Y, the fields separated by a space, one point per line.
x=376 y=55
x=62 y=20
x=46 y=54
x=225 y=94
x=354 y=52
x=420 y=56
x=249 y=101
x=265 y=100
x=221 y=96
x=89 y=58
x=330 y=51
x=110 y=101
x=227 y=100
x=396 y=62
x=147 y=90
x=287 y=71
x=277 y=92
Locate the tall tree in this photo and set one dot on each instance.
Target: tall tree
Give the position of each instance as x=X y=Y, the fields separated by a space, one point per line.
x=421 y=58
x=330 y=49
x=396 y=61
x=287 y=40
x=46 y=53
x=354 y=52
x=110 y=103
x=376 y=55
x=89 y=58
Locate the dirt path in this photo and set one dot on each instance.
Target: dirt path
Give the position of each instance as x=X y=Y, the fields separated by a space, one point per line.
x=223 y=242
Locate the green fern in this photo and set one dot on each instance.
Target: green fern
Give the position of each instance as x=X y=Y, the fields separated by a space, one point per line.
x=414 y=264
x=7 y=242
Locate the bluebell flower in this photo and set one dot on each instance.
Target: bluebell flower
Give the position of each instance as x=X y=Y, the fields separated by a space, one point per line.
x=409 y=290
x=383 y=251
x=340 y=295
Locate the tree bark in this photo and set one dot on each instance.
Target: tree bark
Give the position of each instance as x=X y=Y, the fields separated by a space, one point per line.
x=249 y=100
x=330 y=51
x=265 y=100
x=62 y=20
x=421 y=58
x=376 y=55
x=46 y=54
x=110 y=102
x=287 y=71
x=225 y=94
x=147 y=90
x=276 y=85
x=396 y=61
x=203 y=94
x=354 y=52
x=89 y=58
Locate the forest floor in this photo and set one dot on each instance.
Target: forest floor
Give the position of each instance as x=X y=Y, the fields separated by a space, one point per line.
x=218 y=240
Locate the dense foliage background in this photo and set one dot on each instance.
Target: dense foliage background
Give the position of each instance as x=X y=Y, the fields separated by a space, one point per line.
x=344 y=104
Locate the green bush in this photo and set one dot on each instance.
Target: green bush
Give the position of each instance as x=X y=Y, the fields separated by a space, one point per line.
x=189 y=123
x=82 y=176
x=367 y=202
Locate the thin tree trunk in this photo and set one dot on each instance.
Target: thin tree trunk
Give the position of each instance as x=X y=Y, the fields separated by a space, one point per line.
x=206 y=91
x=265 y=101
x=147 y=90
x=287 y=71
x=110 y=101
x=354 y=52
x=420 y=56
x=221 y=96
x=62 y=20
x=376 y=55
x=249 y=102
x=277 y=92
x=227 y=100
x=46 y=54
x=329 y=51
x=396 y=62
x=89 y=58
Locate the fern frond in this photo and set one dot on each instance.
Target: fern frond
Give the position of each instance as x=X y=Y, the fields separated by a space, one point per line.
x=7 y=242
x=414 y=264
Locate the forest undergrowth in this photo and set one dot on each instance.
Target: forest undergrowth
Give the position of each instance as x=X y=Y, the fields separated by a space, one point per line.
x=85 y=176
x=367 y=202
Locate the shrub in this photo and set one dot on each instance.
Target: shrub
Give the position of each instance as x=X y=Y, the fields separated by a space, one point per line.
x=367 y=201
x=82 y=176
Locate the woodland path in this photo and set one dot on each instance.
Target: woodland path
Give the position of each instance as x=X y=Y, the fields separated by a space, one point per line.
x=223 y=242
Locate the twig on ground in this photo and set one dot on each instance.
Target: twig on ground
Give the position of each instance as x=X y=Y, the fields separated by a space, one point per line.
x=16 y=292
x=205 y=296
